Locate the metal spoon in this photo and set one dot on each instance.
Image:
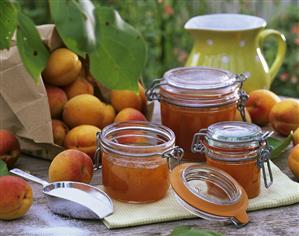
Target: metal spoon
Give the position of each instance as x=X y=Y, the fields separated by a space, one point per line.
x=73 y=199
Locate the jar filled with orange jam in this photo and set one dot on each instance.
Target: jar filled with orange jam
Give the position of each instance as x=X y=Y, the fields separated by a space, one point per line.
x=192 y=98
x=238 y=148
x=135 y=158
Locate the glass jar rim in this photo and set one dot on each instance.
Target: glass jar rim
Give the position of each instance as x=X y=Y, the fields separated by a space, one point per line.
x=234 y=134
x=199 y=86
x=214 y=78
x=167 y=138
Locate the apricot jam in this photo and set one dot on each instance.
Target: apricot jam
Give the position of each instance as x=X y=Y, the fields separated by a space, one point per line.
x=238 y=148
x=135 y=160
x=185 y=122
x=192 y=98
x=131 y=180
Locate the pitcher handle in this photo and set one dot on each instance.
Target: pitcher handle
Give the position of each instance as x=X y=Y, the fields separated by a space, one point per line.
x=281 y=49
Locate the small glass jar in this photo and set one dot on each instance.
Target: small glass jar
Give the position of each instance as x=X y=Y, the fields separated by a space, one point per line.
x=135 y=160
x=192 y=98
x=238 y=148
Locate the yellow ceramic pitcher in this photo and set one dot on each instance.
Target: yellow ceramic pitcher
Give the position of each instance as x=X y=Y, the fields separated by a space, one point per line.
x=233 y=42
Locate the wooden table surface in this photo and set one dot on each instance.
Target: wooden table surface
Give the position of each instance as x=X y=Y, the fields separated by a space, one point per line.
x=40 y=221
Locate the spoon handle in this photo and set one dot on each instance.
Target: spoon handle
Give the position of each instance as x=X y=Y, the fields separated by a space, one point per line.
x=25 y=175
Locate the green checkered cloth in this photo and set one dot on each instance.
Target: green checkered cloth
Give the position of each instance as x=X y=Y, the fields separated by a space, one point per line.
x=282 y=192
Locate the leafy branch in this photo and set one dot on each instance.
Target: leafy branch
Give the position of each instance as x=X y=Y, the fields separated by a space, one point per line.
x=115 y=50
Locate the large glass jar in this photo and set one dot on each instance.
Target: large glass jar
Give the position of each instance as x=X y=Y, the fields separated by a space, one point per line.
x=238 y=148
x=192 y=98
x=135 y=160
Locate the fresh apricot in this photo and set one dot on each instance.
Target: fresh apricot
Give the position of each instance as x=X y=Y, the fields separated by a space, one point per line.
x=129 y=114
x=121 y=99
x=59 y=130
x=79 y=86
x=63 y=67
x=82 y=138
x=84 y=109
x=284 y=116
x=293 y=161
x=259 y=105
x=56 y=99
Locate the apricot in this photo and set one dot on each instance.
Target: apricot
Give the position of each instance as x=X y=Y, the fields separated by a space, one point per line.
x=121 y=99
x=296 y=137
x=82 y=138
x=128 y=114
x=63 y=67
x=59 y=130
x=238 y=116
x=9 y=148
x=109 y=115
x=84 y=109
x=259 y=105
x=284 y=116
x=79 y=86
x=71 y=165
x=56 y=99
x=15 y=197
x=293 y=161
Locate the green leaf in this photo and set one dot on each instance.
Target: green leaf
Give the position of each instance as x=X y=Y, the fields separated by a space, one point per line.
x=3 y=168
x=33 y=52
x=189 y=231
x=8 y=23
x=121 y=52
x=278 y=145
x=75 y=23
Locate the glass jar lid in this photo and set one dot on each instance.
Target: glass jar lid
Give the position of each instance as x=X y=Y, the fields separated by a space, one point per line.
x=200 y=86
x=199 y=78
x=234 y=134
x=210 y=193
x=136 y=139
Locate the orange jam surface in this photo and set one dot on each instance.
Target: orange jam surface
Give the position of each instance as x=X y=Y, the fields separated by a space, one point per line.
x=247 y=174
x=133 y=179
x=186 y=121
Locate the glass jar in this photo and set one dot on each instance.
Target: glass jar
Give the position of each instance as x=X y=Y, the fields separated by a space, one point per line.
x=192 y=98
x=238 y=148
x=135 y=160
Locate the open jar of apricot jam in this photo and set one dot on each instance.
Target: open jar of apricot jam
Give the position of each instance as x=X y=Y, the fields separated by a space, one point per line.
x=135 y=159
x=192 y=98
x=238 y=148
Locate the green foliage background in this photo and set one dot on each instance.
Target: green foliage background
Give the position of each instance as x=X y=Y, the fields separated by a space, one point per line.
x=161 y=22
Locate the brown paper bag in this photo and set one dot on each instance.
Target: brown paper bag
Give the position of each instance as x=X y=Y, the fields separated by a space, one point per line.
x=24 y=108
